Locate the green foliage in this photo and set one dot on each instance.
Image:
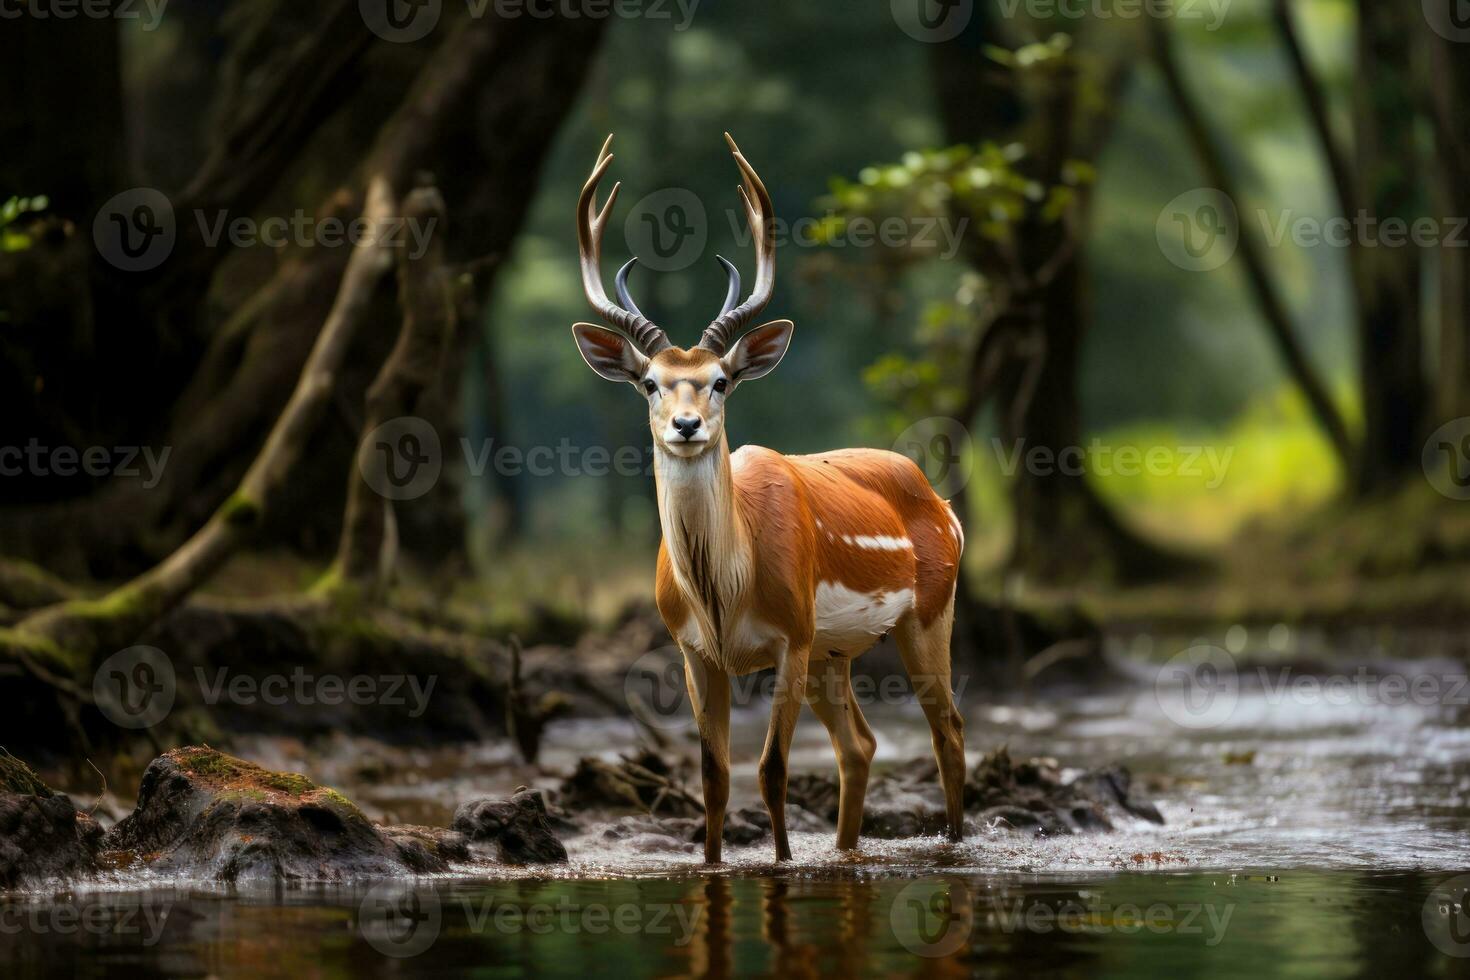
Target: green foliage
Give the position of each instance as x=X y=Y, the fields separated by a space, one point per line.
x=991 y=185
x=12 y=237
x=1041 y=54
x=986 y=186
x=931 y=383
x=988 y=192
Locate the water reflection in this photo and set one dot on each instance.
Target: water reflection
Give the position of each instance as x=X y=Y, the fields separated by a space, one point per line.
x=806 y=924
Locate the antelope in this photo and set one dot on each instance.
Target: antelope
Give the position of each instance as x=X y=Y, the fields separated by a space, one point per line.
x=797 y=563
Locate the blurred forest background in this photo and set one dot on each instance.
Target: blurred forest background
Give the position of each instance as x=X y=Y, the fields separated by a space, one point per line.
x=1056 y=154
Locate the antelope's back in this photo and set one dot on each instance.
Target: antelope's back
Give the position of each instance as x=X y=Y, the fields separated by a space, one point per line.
x=879 y=526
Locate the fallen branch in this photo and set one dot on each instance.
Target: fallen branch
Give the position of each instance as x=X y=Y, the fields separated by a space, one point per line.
x=630 y=783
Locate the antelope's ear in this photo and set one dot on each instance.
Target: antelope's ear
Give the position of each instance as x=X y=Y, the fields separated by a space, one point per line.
x=609 y=353
x=757 y=353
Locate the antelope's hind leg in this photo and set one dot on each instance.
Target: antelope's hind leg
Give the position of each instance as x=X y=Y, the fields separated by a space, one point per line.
x=829 y=692
x=925 y=651
x=709 y=696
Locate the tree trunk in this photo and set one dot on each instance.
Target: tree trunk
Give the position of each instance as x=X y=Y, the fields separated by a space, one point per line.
x=1387 y=278
x=482 y=116
x=62 y=127
x=1448 y=84
x=366 y=554
x=69 y=636
x=1063 y=530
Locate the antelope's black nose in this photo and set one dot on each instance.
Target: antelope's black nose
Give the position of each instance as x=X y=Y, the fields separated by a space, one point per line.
x=686 y=427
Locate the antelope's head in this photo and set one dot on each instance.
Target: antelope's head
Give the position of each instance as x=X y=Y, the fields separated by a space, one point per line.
x=686 y=389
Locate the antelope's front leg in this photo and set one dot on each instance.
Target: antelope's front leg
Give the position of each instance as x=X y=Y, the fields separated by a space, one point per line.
x=709 y=696
x=786 y=704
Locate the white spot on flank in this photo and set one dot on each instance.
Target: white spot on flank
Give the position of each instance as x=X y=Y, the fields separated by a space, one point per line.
x=846 y=617
x=878 y=542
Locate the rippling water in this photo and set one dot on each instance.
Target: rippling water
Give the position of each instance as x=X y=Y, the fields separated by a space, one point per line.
x=1305 y=836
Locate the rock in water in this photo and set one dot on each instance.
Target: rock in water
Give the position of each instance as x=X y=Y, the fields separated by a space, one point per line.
x=642 y=783
x=895 y=806
x=1113 y=786
x=427 y=849
x=205 y=814
x=517 y=827
x=1027 y=796
x=43 y=837
x=1031 y=796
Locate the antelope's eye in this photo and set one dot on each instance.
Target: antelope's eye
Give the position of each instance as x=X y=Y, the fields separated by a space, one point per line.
x=721 y=384
x=649 y=386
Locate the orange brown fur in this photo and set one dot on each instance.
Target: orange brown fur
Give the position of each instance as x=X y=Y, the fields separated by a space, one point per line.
x=803 y=512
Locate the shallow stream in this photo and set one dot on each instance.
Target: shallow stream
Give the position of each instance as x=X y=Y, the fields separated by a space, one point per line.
x=1307 y=834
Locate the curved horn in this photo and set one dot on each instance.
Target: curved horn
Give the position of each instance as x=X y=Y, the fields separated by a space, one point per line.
x=733 y=296
x=591 y=222
x=620 y=284
x=761 y=216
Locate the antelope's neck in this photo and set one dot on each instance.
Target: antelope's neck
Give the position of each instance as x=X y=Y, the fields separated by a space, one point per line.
x=705 y=533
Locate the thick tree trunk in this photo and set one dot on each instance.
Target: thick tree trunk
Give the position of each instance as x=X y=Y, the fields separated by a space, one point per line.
x=482 y=117
x=1064 y=531
x=62 y=127
x=67 y=638
x=1390 y=338
x=63 y=137
x=1448 y=83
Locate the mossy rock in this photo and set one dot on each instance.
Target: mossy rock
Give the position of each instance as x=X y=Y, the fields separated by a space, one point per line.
x=202 y=813
x=17 y=777
x=215 y=765
x=43 y=838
